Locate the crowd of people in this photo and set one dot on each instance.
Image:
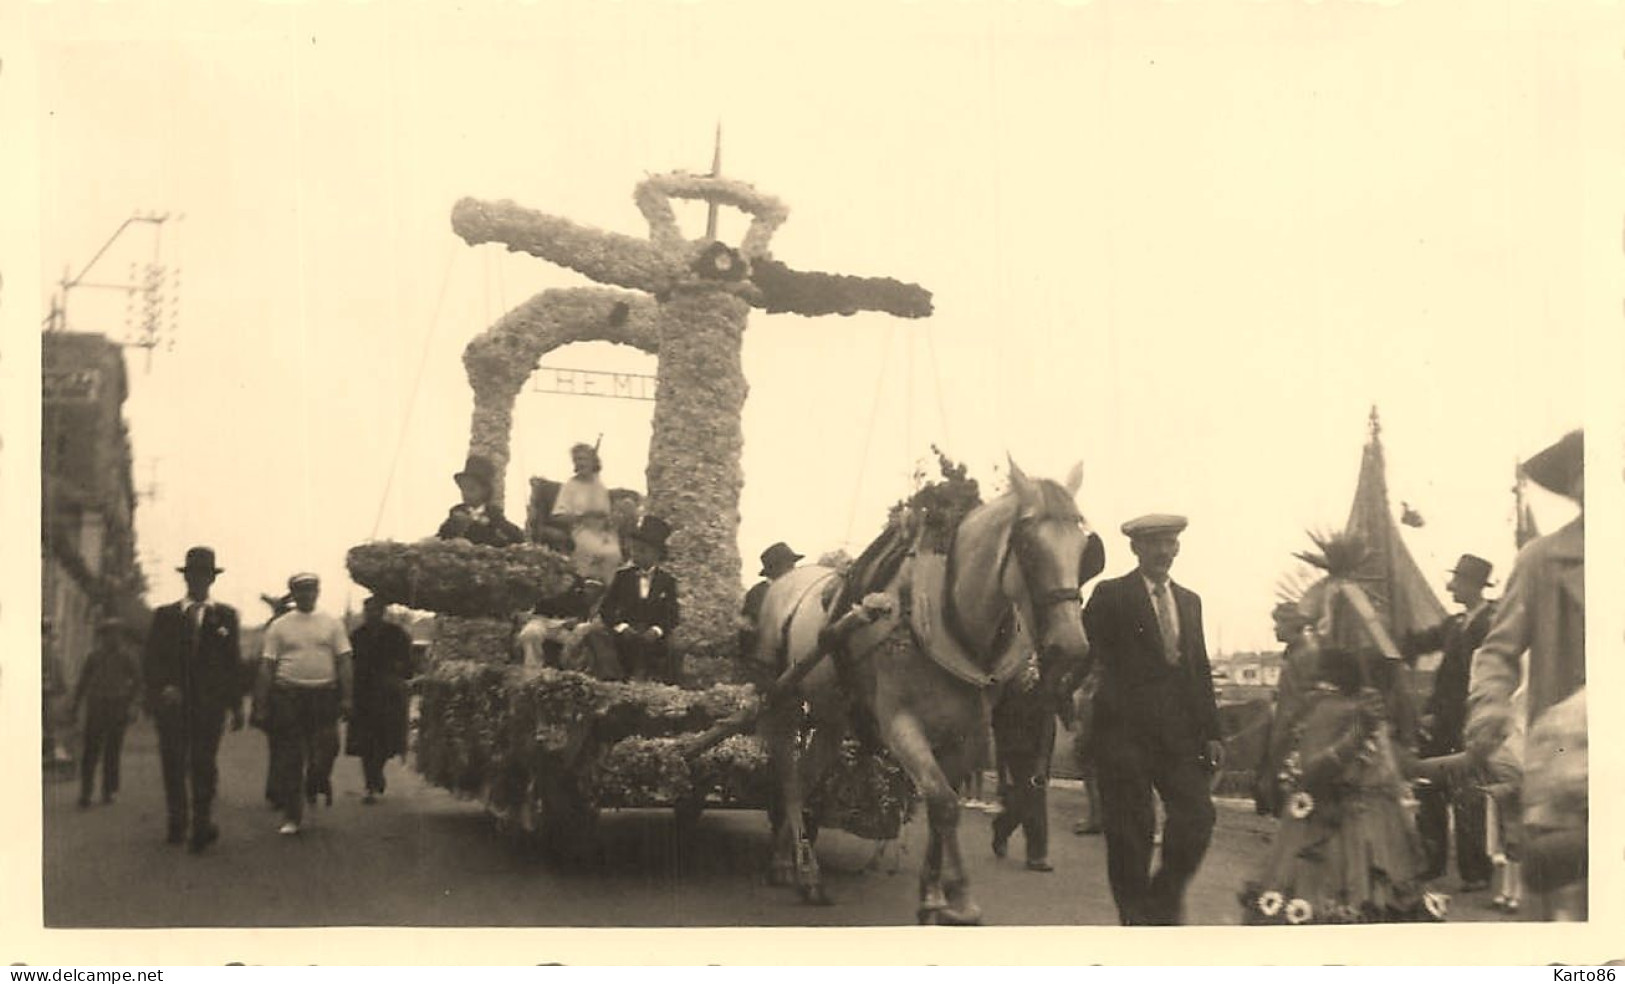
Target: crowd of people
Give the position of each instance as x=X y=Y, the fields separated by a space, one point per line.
x=1368 y=791
x=309 y=676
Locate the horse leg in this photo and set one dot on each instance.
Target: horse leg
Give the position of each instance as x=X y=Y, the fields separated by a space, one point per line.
x=961 y=909
x=944 y=899
x=810 y=769
x=780 y=731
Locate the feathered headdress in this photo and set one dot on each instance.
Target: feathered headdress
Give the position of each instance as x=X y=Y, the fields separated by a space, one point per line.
x=1336 y=602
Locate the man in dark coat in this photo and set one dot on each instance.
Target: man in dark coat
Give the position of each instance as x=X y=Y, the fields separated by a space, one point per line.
x=1445 y=719
x=640 y=607
x=1156 y=725
x=777 y=561
x=477 y=519
x=382 y=654
x=191 y=674
x=108 y=685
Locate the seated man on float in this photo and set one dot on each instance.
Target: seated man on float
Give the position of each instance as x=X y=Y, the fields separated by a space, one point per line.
x=641 y=609
x=563 y=634
x=477 y=519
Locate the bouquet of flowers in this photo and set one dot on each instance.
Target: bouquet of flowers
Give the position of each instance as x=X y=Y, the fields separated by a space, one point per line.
x=865 y=794
x=455 y=577
x=937 y=508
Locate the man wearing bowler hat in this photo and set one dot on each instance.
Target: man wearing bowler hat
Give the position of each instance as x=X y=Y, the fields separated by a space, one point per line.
x=191 y=673
x=1443 y=722
x=1156 y=725
x=777 y=561
x=640 y=607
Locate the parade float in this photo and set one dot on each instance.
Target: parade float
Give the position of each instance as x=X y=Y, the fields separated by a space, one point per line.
x=547 y=748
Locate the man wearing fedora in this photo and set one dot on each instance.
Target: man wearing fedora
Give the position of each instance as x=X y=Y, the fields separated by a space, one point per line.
x=477 y=519
x=640 y=607
x=1542 y=614
x=1156 y=725
x=1444 y=721
x=108 y=685
x=777 y=561
x=191 y=673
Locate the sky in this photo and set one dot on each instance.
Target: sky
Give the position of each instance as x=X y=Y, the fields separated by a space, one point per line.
x=1190 y=246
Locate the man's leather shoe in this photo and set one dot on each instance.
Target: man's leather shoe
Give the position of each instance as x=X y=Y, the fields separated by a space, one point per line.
x=177 y=832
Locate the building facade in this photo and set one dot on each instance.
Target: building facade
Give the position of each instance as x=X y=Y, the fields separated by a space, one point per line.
x=87 y=501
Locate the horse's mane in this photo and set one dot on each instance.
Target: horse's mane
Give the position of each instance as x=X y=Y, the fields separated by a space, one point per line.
x=875 y=568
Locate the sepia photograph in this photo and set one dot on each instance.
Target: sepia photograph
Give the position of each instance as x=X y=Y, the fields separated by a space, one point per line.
x=707 y=466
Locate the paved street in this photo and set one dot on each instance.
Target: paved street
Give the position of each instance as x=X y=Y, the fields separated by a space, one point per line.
x=423 y=857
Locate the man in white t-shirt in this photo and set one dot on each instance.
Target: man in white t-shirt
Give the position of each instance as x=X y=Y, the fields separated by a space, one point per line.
x=304 y=687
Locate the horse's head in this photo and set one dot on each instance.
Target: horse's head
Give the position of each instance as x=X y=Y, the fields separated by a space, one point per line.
x=1055 y=553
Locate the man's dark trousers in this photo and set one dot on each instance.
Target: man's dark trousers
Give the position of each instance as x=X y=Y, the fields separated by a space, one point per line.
x=188 y=741
x=104 y=742
x=1434 y=808
x=1129 y=770
x=304 y=742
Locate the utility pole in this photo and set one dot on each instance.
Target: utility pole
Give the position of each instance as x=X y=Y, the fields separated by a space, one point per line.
x=150 y=281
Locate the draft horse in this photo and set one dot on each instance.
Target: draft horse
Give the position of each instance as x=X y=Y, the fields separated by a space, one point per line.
x=962 y=621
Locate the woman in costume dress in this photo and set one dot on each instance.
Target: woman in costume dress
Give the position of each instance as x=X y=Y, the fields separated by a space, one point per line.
x=1347 y=849
x=583 y=504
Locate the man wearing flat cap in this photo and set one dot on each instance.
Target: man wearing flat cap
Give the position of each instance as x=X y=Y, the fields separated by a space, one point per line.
x=1444 y=721
x=1156 y=725
x=190 y=669
x=1542 y=613
x=305 y=685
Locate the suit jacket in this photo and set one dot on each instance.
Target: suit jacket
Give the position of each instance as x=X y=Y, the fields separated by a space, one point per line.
x=204 y=665
x=1142 y=697
x=494 y=531
x=1542 y=611
x=622 y=604
x=1457 y=637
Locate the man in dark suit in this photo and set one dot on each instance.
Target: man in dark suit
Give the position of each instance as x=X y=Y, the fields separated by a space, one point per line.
x=1156 y=725
x=477 y=519
x=1444 y=720
x=777 y=561
x=191 y=669
x=640 y=607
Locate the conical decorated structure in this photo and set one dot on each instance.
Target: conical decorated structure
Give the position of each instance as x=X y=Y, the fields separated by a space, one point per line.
x=1398 y=589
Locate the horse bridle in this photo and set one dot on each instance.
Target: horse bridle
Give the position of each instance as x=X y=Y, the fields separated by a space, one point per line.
x=1042 y=601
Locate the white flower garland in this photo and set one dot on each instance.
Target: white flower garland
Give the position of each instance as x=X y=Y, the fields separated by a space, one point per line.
x=654 y=194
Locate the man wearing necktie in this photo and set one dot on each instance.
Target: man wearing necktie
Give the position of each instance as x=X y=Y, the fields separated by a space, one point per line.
x=1156 y=725
x=191 y=668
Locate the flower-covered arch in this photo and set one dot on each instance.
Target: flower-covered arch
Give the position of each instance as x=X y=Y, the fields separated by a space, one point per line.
x=684 y=301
